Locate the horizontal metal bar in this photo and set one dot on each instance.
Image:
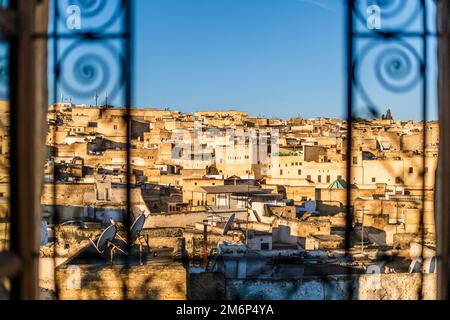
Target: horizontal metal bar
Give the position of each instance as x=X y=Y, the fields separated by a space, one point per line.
x=395 y=35
x=82 y=36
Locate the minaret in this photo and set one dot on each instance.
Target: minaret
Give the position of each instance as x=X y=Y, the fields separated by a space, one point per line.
x=389 y=114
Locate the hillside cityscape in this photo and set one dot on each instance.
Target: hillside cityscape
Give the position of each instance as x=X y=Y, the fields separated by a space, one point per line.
x=233 y=206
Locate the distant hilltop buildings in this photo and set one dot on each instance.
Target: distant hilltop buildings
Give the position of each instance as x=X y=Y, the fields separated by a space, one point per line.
x=169 y=148
x=284 y=179
x=302 y=156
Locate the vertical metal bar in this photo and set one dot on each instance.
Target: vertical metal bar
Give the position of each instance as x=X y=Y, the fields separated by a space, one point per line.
x=56 y=75
x=349 y=97
x=442 y=184
x=128 y=101
x=425 y=119
x=24 y=212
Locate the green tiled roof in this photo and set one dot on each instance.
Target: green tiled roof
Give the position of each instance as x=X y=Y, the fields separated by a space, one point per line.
x=338 y=184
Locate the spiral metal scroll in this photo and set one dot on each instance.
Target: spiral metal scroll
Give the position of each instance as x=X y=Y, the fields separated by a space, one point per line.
x=89 y=67
x=397 y=67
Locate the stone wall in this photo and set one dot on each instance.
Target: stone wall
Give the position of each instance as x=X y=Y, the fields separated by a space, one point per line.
x=305 y=229
x=206 y=286
x=181 y=220
x=156 y=282
x=164 y=242
x=365 y=287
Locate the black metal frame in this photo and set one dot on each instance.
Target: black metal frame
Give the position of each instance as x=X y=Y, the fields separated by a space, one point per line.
x=354 y=87
x=89 y=68
x=403 y=56
x=118 y=29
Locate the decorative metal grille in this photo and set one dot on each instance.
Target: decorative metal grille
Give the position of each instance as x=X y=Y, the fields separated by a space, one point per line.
x=387 y=58
x=93 y=55
x=91 y=50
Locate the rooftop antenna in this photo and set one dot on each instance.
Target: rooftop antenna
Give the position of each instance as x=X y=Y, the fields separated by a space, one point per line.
x=247 y=204
x=96 y=99
x=106 y=99
x=205 y=243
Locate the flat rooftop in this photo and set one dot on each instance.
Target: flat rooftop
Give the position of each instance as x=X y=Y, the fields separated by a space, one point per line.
x=88 y=256
x=243 y=189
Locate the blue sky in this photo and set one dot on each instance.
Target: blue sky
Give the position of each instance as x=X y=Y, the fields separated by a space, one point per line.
x=268 y=57
x=274 y=58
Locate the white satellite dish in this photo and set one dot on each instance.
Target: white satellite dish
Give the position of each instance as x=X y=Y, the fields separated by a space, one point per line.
x=135 y=234
x=228 y=224
x=105 y=241
x=415 y=266
x=136 y=227
x=106 y=238
x=429 y=265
